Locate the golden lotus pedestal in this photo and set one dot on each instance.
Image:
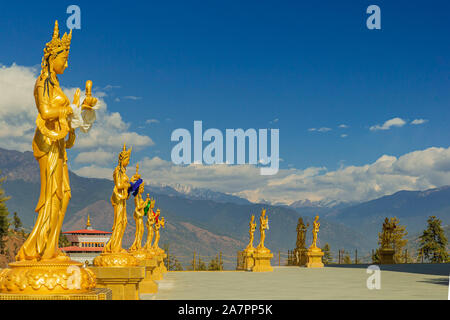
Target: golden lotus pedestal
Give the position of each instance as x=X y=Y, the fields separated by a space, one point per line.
x=148 y=284
x=314 y=258
x=120 y=273
x=387 y=256
x=262 y=261
x=53 y=279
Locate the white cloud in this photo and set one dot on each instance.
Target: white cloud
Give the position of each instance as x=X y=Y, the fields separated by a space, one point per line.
x=100 y=157
x=416 y=170
x=343 y=126
x=418 y=121
x=18 y=115
x=323 y=129
x=132 y=97
x=150 y=121
x=394 y=122
x=344 y=135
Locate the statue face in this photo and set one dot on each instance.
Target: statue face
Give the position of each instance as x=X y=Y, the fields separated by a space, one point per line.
x=125 y=162
x=60 y=62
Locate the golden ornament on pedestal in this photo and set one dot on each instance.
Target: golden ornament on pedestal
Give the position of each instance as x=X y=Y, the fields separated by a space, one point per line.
x=262 y=256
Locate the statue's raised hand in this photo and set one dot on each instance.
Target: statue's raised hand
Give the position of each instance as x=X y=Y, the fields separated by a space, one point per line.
x=89 y=102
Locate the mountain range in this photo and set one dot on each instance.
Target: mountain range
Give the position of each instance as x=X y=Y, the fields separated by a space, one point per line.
x=207 y=222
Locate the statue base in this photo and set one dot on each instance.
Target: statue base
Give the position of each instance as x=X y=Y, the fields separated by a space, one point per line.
x=249 y=261
x=314 y=258
x=262 y=261
x=50 y=278
x=148 y=284
x=94 y=294
x=122 y=259
x=160 y=269
x=302 y=257
x=122 y=281
x=140 y=254
x=387 y=256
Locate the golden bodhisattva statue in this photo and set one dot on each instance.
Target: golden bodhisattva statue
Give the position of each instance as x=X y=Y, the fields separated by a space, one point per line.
x=263 y=225
x=150 y=225
x=251 y=232
x=259 y=260
x=138 y=215
x=41 y=267
x=387 y=250
x=300 y=250
x=113 y=254
x=314 y=253
x=157 y=226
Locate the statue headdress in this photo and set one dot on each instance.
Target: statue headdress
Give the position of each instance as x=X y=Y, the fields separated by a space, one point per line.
x=124 y=154
x=57 y=45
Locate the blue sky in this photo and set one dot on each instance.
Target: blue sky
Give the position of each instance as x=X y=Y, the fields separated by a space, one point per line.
x=243 y=64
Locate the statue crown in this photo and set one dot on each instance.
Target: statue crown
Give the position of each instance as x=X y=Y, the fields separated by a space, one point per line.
x=56 y=44
x=125 y=154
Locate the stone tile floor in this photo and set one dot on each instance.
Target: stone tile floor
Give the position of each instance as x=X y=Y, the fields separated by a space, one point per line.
x=294 y=283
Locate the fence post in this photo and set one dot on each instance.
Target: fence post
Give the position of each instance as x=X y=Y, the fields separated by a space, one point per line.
x=220 y=261
x=194 y=261
x=168 y=259
x=356 y=256
x=406 y=255
x=339 y=256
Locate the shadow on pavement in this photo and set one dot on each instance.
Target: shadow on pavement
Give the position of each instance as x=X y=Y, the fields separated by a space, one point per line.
x=439 y=269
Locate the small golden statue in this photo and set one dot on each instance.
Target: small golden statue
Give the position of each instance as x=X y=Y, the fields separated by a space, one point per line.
x=263 y=225
x=259 y=260
x=314 y=253
x=150 y=225
x=159 y=223
x=113 y=254
x=387 y=250
x=251 y=232
x=138 y=215
x=300 y=250
x=41 y=267
x=315 y=231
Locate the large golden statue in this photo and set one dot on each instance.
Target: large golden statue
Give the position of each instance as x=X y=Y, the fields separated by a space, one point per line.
x=113 y=254
x=387 y=250
x=251 y=231
x=57 y=120
x=263 y=225
x=149 y=224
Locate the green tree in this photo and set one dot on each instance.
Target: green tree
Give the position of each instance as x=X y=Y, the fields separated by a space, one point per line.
x=17 y=223
x=399 y=240
x=327 y=256
x=63 y=241
x=433 y=242
x=4 y=221
x=201 y=266
x=171 y=261
x=346 y=257
x=376 y=257
x=215 y=264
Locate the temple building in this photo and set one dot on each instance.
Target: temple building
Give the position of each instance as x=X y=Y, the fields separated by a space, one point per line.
x=85 y=244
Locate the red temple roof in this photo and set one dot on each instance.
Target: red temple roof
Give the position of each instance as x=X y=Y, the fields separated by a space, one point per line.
x=87 y=231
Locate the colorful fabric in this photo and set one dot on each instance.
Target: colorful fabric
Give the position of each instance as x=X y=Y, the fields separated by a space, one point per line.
x=134 y=187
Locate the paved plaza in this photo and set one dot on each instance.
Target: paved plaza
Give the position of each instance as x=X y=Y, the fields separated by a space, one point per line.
x=294 y=283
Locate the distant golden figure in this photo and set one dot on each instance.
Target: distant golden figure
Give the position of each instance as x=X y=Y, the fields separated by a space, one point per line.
x=159 y=223
x=315 y=231
x=150 y=223
x=139 y=205
x=387 y=234
x=56 y=119
x=251 y=231
x=301 y=233
x=119 y=199
x=263 y=225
